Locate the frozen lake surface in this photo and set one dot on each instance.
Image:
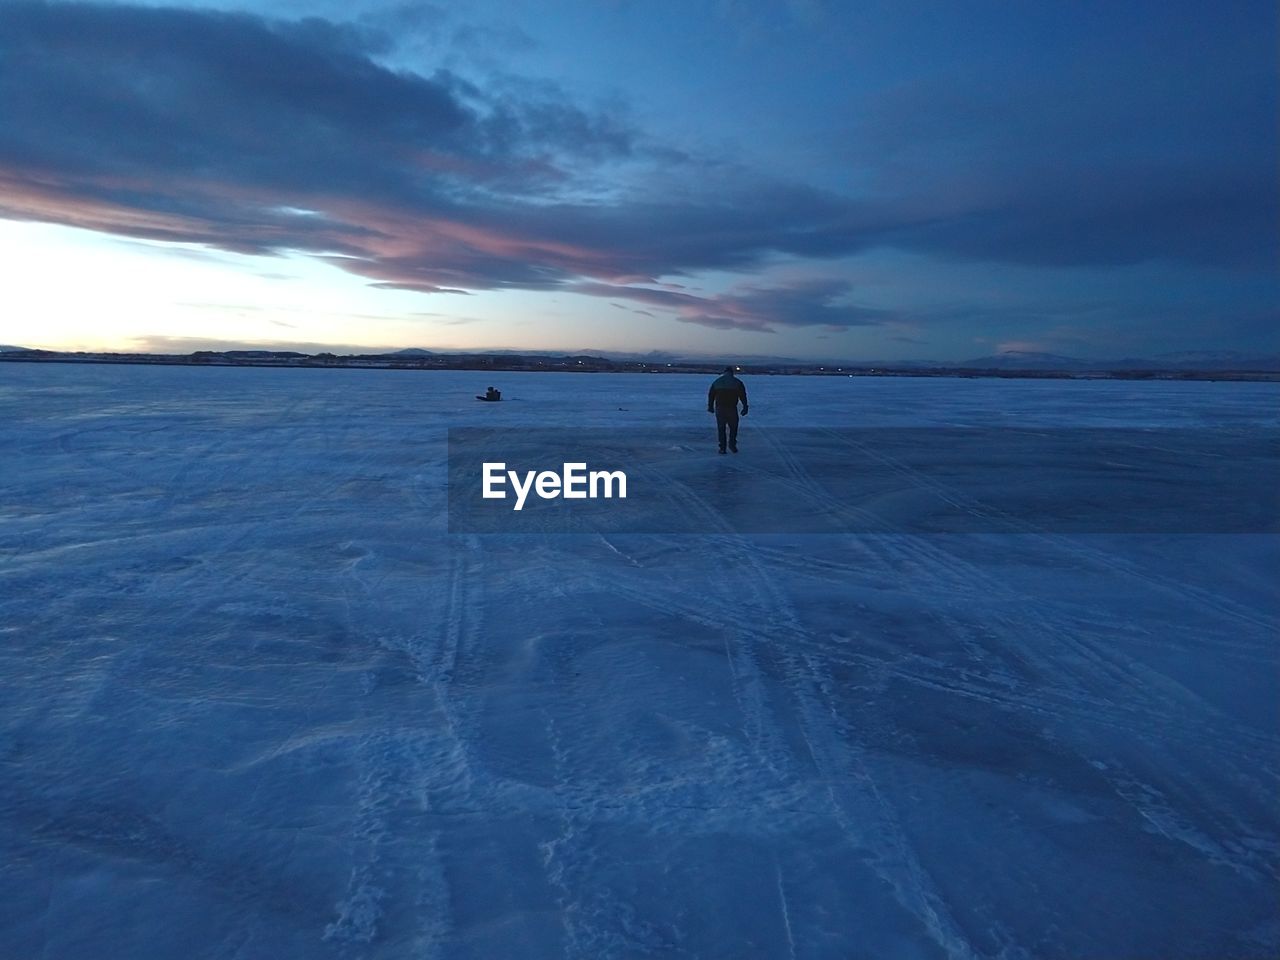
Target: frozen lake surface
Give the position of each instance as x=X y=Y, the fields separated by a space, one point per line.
x=256 y=700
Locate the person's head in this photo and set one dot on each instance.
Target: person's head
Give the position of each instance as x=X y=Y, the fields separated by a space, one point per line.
x=728 y=369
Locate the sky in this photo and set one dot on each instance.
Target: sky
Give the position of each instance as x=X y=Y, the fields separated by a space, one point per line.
x=906 y=179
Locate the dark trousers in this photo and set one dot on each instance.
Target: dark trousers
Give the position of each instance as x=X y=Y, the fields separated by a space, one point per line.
x=727 y=418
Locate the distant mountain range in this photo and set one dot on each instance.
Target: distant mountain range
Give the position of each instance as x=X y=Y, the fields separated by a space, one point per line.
x=1216 y=360
x=1025 y=360
x=1208 y=360
x=1009 y=361
x=1185 y=360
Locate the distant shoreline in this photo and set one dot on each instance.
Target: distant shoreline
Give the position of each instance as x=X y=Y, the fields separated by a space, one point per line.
x=581 y=363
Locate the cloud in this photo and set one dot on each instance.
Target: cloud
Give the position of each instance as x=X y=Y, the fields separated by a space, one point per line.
x=258 y=137
x=805 y=303
x=424 y=30
x=1146 y=141
x=101 y=101
x=261 y=136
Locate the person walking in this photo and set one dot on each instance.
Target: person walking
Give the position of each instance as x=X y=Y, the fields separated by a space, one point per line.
x=722 y=400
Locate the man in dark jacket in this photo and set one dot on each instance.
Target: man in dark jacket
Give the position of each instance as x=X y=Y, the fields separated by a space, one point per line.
x=722 y=400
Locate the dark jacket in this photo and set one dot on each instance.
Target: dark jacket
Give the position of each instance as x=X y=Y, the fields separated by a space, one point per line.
x=725 y=393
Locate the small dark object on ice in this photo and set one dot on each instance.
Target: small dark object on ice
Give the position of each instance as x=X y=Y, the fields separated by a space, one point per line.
x=490 y=395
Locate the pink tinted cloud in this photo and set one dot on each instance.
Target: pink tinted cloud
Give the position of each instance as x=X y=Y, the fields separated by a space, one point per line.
x=802 y=303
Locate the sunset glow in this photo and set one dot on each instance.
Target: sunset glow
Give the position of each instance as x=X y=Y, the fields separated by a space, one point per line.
x=828 y=182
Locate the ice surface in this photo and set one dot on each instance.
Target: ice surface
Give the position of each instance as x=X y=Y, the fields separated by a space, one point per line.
x=257 y=702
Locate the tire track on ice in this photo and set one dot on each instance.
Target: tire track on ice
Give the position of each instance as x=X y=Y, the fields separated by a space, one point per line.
x=767 y=634
x=969 y=581
x=597 y=924
x=747 y=681
x=597 y=918
x=1070 y=545
x=837 y=755
x=1173 y=703
x=410 y=778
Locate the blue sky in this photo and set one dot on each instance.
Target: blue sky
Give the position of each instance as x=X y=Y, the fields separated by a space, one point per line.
x=805 y=178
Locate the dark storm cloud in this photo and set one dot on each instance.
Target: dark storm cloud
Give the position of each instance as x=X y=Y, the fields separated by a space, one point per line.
x=259 y=136
x=1155 y=139
x=1115 y=218
x=228 y=99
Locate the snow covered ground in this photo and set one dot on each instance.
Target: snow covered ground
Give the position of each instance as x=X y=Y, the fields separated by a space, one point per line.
x=257 y=702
